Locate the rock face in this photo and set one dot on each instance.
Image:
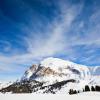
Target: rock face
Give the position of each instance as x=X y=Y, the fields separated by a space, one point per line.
x=28 y=73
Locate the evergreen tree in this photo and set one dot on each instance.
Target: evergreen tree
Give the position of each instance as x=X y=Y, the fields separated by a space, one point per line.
x=87 y=88
x=92 y=88
x=70 y=91
x=74 y=92
x=78 y=91
x=83 y=90
x=97 y=88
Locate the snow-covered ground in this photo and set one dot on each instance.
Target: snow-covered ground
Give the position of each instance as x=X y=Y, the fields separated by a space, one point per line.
x=89 y=94
x=81 y=96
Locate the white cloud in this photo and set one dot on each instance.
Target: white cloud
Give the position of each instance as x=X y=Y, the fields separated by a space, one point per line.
x=52 y=44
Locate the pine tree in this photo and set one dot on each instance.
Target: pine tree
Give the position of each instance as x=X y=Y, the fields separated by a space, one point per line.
x=87 y=88
x=78 y=91
x=92 y=88
x=70 y=91
x=83 y=90
x=75 y=92
x=97 y=88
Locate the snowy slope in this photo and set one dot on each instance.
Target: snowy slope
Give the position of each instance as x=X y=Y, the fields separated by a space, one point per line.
x=5 y=84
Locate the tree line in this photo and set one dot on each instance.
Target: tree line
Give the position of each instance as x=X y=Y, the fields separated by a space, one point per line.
x=86 y=89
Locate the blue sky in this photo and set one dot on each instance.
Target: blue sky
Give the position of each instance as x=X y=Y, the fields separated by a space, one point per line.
x=31 y=30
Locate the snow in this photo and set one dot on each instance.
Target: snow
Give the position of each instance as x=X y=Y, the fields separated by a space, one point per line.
x=28 y=74
x=95 y=80
x=81 y=96
x=64 y=67
x=89 y=93
x=5 y=84
x=56 y=64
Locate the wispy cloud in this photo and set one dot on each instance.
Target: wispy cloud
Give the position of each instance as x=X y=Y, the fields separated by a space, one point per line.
x=55 y=41
x=66 y=34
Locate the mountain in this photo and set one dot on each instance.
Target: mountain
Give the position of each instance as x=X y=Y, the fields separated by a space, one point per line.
x=52 y=70
x=54 y=75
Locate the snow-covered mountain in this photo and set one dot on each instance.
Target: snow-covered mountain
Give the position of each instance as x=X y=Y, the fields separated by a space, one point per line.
x=53 y=70
x=54 y=75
